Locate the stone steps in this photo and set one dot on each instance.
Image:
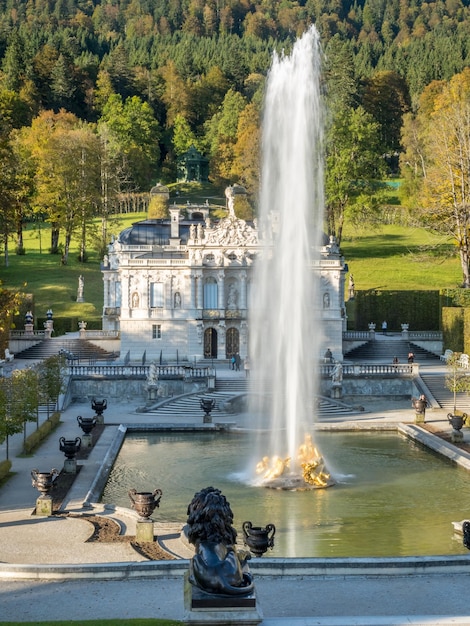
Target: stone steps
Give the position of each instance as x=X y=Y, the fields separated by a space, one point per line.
x=436 y=385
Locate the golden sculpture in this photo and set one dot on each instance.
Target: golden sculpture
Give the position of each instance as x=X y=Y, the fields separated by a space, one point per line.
x=308 y=458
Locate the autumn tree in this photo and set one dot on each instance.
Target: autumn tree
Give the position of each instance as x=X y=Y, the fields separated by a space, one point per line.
x=437 y=158
x=134 y=134
x=10 y=301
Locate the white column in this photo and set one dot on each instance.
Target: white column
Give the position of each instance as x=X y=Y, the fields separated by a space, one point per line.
x=221 y=290
x=200 y=298
x=192 y=302
x=243 y=290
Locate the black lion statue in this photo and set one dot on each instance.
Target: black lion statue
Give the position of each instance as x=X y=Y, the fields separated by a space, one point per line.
x=217 y=567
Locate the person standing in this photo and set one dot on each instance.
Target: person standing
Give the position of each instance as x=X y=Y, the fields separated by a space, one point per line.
x=246 y=366
x=384 y=327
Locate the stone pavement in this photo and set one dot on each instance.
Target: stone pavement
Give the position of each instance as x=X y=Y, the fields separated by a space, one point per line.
x=49 y=571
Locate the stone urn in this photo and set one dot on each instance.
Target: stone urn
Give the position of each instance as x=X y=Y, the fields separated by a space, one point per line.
x=99 y=406
x=207 y=405
x=456 y=421
x=44 y=481
x=86 y=423
x=145 y=502
x=258 y=539
x=70 y=447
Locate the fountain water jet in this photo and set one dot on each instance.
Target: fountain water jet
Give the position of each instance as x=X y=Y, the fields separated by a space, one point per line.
x=285 y=334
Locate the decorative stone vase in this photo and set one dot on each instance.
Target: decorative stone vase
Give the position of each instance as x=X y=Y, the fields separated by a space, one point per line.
x=258 y=539
x=86 y=423
x=207 y=405
x=456 y=421
x=44 y=481
x=99 y=406
x=144 y=502
x=70 y=447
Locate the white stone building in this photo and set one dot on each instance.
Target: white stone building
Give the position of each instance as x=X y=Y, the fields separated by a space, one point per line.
x=178 y=289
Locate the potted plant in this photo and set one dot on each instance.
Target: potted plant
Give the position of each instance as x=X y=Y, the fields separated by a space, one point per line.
x=457 y=380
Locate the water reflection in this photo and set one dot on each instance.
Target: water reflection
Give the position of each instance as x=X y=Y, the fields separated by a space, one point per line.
x=393 y=498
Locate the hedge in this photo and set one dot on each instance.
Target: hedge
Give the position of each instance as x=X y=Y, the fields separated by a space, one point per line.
x=419 y=309
x=5 y=467
x=38 y=436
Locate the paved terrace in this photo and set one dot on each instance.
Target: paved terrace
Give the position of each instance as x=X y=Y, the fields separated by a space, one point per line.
x=48 y=570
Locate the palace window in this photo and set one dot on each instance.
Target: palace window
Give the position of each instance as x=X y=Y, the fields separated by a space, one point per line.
x=210 y=294
x=156 y=295
x=156 y=331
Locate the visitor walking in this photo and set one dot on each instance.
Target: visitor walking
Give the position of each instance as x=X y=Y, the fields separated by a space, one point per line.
x=411 y=357
x=246 y=366
x=384 y=327
x=232 y=361
x=237 y=362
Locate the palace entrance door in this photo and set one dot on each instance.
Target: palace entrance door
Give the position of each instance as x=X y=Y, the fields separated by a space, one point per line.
x=210 y=343
x=232 y=343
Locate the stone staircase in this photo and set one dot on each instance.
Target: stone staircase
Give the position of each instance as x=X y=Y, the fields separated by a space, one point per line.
x=80 y=350
x=384 y=351
x=227 y=387
x=435 y=382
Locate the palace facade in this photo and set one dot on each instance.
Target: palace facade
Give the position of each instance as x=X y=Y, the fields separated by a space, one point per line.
x=179 y=288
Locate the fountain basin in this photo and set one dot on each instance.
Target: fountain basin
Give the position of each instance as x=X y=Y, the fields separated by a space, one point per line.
x=394 y=498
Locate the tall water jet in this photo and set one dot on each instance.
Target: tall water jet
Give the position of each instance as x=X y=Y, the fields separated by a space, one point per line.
x=285 y=333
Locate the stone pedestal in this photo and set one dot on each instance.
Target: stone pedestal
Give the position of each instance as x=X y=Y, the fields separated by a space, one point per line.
x=456 y=436
x=144 y=531
x=205 y=609
x=44 y=506
x=100 y=419
x=70 y=466
x=87 y=440
x=419 y=418
x=337 y=391
x=207 y=419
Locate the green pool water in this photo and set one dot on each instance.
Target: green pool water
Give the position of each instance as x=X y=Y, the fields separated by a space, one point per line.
x=392 y=497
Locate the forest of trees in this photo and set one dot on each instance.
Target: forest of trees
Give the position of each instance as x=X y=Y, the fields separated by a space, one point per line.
x=100 y=97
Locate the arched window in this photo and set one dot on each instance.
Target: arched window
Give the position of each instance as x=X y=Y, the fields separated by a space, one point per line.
x=210 y=294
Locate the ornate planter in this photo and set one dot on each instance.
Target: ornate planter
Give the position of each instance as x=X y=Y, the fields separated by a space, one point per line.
x=456 y=421
x=258 y=539
x=44 y=481
x=207 y=405
x=144 y=502
x=70 y=447
x=99 y=406
x=86 y=423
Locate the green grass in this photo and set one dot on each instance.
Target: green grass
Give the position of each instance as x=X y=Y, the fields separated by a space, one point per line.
x=54 y=285
x=400 y=257
x=384 y=257
x=100 y=622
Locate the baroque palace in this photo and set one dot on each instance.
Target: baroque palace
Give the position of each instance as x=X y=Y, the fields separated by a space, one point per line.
x=179 y=288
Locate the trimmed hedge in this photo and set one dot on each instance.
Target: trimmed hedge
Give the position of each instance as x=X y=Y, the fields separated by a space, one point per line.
x=419 y=309
x=5 y=467
x=453 y=325
x=63 y=325
x=35 y=439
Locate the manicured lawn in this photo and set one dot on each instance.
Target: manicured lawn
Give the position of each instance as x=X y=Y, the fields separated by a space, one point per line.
x=55 y=285
x=386 y=257
x=398 y=257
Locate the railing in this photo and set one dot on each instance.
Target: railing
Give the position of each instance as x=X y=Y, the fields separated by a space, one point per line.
x=24 y=334
x=140 y=371
x=356 y=335
x=102 y=334
x=430 y=335
x=372 y=369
